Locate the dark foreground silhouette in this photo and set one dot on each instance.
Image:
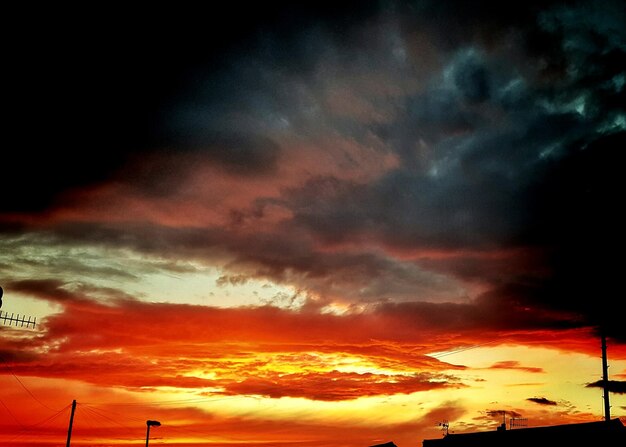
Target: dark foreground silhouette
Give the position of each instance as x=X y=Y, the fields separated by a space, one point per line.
x=604 y=433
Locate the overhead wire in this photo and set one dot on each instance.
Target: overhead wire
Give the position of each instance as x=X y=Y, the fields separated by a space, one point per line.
x=438 y=355
x=101 y=413
x=11 y=414
x=98 y=416
x=85 y=420
x=25 y=387
x=31 y=394
x=104 y=416
x=25 y=429
x=50 y=418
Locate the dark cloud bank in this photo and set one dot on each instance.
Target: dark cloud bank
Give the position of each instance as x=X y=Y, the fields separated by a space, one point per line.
x=516 y=139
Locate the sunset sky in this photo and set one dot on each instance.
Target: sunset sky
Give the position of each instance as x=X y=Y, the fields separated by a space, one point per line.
x=311 y=225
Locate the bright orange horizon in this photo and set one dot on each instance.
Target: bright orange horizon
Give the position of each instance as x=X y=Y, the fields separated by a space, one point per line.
x=270 y=376
x=300 y=223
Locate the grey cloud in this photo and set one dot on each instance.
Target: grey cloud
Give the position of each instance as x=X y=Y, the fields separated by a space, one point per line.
x=472 y=79
x=506 y=130
x=454 y=210
x=614 y=386
x=541 y=401
x=232 y=280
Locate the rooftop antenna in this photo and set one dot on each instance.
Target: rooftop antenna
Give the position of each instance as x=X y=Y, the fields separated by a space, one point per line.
x=19 y=320
x=502 y=427
x=517 y=422
x=445 y=425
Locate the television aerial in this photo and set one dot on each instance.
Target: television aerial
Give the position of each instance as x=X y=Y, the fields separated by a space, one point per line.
x=15 y=319
x=445 y=425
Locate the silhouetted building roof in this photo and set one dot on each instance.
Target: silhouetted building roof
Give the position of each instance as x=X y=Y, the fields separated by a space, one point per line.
x=387 y=444
x=586 y=434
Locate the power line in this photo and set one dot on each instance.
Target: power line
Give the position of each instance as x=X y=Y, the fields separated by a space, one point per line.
x=25 y=429
x=54 y=416
x=11 y=414
x=24 y=386
x=87 y=420
x=466 y=348
x=31 y=394
x=103 y=416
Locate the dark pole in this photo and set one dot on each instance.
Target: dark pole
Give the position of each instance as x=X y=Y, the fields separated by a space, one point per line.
x=605 y=380
x=69 y=430
x=150 y=423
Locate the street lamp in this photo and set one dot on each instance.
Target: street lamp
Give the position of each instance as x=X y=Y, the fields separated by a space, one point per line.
x=150 y=424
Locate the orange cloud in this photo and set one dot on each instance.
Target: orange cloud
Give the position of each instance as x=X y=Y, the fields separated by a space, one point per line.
x=513 y=364
x=335 y=386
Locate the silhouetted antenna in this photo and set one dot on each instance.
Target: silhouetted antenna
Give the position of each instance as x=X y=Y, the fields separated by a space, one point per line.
x=445 y=425
x=20 y=321
x=501 y=427
x=518 y=422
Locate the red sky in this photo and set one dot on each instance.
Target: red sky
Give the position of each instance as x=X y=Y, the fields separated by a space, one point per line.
x=311 y=225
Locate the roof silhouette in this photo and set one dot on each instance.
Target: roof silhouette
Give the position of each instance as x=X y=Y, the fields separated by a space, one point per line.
x=584 y=434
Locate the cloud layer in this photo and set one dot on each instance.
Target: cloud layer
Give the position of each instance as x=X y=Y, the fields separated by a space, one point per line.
x=196 y=200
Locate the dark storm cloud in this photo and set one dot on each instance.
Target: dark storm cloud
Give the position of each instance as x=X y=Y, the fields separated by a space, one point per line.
x=541 y=401
x=582 y=223
x=501 y=413
x=162 y=173
x=498 y=313
x=355 y=277
x=507 y=121
x=83 y=94
x=467 y=169
x=472 y=195
x=472 y=80
x=614 y=386
x=123 y=83
x=558 y=145
x=66 y=293
x=238 y=153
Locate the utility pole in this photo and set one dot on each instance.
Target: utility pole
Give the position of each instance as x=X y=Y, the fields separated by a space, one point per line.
x=69 y=430
x=605 y=380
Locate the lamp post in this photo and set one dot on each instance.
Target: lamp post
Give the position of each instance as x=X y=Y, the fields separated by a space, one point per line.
x=148 y=425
